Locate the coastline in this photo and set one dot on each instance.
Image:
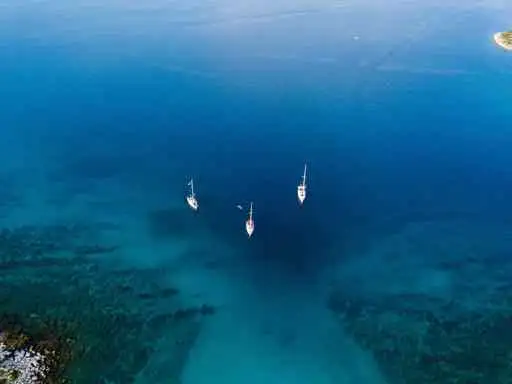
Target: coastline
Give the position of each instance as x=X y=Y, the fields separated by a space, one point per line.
x=498 y=40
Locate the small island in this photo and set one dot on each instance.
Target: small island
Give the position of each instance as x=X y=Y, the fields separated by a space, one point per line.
x=504 y=40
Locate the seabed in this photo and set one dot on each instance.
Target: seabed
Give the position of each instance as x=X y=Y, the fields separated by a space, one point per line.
x=436 y=306
x=100 y=326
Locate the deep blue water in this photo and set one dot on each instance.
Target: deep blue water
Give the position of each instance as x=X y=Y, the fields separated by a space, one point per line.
x=402 y=113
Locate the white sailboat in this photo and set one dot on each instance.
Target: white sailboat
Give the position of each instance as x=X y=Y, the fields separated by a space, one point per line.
x=301 y=188
x=191 y=198
x=249 y=223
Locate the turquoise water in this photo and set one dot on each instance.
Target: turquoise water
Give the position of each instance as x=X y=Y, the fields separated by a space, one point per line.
x=402 y=112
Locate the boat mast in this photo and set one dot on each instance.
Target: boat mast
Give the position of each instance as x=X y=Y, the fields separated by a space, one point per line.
x=250 y=212
x=304 y=177
x=192 y=186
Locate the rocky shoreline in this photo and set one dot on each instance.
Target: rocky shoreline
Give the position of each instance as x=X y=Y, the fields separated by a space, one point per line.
x=26 y=360
x=21 y=366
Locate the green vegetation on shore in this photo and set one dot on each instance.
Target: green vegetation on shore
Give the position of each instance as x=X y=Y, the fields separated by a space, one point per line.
x=8 y=376
x=507 y=36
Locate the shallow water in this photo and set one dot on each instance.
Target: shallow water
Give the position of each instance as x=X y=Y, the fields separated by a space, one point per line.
x=401 y=111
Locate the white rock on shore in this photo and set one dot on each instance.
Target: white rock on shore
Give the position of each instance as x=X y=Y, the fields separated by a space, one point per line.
x=28 y=365
x=499 y=38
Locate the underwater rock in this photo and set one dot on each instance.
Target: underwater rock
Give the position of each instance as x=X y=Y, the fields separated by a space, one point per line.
x=181 y=314
x=94 y=249
x=162 y=293
x=206 y=309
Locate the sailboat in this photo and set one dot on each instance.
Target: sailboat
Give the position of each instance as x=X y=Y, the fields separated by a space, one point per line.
x=249 y=223
x=191 y=198
x=301 y=188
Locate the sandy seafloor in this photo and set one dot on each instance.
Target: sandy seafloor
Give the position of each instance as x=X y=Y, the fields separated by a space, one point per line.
x=400 y=258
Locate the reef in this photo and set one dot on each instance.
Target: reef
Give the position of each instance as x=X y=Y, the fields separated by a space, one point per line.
x=84 y=320
x=432 y=303
x=504 y=39
x=419 y=345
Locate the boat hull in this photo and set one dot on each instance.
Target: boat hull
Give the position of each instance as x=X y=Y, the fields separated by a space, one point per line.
x=249 y=227
x=192 y=202
x=301 y=193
